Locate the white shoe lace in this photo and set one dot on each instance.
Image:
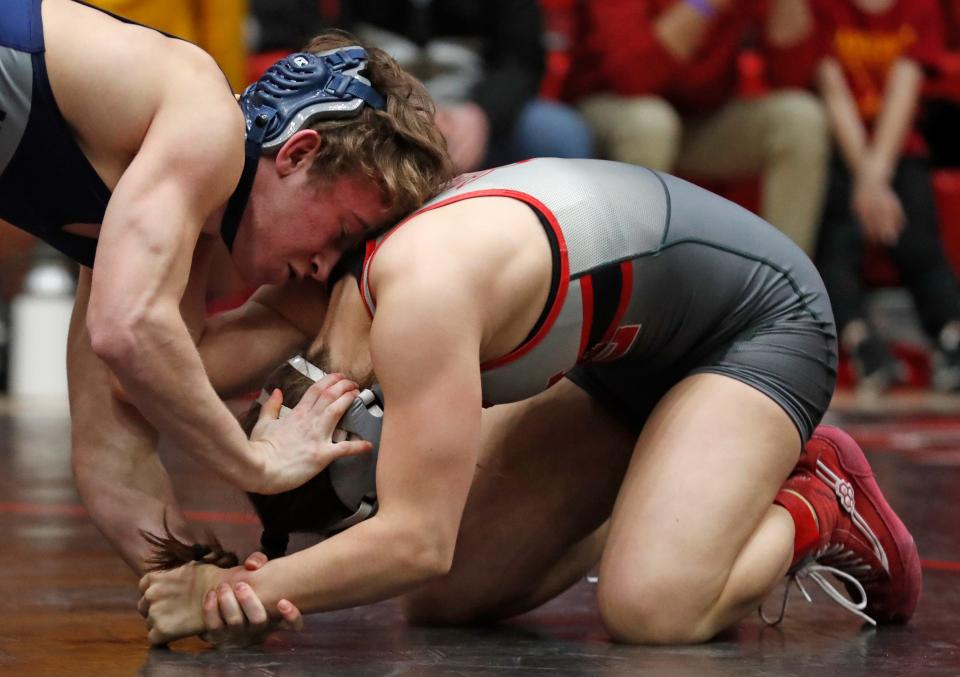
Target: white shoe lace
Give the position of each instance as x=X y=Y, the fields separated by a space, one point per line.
x=846 y=560
x=815 y=571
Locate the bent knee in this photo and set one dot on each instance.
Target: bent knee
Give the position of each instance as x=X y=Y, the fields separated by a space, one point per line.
x=656 y=611
x=800 y=121
x=643 y=131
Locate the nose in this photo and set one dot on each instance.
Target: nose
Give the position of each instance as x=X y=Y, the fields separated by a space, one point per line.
x=321 y=265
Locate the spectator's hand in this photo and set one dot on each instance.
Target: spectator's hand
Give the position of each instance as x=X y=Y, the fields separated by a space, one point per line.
x=878 y=209
x=467 y=130
x=291 y=450
x=235 y=616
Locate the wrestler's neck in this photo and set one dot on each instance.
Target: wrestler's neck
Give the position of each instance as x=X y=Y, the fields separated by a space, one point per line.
x=343 y=343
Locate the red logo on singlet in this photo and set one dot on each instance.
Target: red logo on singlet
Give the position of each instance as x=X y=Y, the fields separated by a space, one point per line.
x=619 y=345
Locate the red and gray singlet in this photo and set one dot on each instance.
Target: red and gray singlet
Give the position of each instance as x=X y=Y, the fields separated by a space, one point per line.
x=653 y=274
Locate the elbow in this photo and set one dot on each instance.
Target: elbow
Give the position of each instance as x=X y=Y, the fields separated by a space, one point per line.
x=111 y=342
x=116 y=337
x=424 y=555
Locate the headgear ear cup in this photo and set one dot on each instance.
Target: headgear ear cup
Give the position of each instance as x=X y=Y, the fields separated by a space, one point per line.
x=351 y=480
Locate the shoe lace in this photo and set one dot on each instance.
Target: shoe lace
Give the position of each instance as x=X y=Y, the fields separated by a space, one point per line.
x=815 y=571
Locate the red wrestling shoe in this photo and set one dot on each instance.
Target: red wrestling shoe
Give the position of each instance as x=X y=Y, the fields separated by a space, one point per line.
x=860 y=539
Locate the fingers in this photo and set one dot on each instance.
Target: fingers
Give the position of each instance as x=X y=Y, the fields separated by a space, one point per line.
x=325 y=398
x=145 y=583
x=229 y=606
x=157 y=638
x=290 y=615
x=351 y=448
x=335 y=409
x=252 y=607
x=271 y=408
x=254 y=561
x=314 y=392
x=212 y=620
x=143 y=607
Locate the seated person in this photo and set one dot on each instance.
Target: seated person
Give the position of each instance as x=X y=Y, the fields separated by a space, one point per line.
x=880 y=191
x=608 y=308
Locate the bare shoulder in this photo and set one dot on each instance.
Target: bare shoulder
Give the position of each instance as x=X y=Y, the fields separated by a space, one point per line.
x=111 y=79
x=472 y=238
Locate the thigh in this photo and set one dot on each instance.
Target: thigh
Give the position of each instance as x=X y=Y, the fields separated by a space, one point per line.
x=705 y=470
x=642 y=130
x=546 y=480
x=739 y=138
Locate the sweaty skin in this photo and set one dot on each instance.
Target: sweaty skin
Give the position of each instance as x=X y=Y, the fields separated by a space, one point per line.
x=166 y=136
x=414 y=531
x=464 y=283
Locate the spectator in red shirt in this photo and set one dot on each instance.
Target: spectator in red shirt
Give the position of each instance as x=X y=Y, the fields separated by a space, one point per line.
x=880 y=190
x=658 y=80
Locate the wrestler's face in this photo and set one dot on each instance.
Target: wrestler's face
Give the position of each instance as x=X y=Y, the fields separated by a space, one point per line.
x=298 y=223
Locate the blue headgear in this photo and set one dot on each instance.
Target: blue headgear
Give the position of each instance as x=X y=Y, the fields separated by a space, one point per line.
x=295 y=91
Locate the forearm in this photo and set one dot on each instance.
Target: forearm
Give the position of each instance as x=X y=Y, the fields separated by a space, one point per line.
x=682 y=27
x=113 y=452
x=848 y=128
x=789 y=23
x=126 y=492
x=240 y=347
x=896 y=117
x=180 y=401
x=367 y=563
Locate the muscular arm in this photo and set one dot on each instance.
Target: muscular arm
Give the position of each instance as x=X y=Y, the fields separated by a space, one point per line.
x=427 y=459
x=789 y=22
x=848 y=128
x=239 y=347
x=896 y=116
x=118 y=473
x=183 y=171
x=681 y=27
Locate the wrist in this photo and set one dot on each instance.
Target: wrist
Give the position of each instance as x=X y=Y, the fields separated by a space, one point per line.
x=251 y=472
x=873 y=169
x=259 y=582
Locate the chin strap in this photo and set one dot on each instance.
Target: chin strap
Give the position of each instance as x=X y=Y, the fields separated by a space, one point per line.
x=252 y=151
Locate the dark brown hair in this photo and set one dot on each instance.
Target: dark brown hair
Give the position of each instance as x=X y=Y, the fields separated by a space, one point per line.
x=309 y=508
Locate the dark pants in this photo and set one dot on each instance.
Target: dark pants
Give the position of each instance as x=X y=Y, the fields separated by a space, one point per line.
x=918 y=253
x=939 y=127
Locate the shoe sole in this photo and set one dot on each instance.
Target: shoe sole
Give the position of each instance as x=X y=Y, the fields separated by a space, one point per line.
x=853 y=462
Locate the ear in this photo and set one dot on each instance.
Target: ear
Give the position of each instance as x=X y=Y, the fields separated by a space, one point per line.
x=298 y=151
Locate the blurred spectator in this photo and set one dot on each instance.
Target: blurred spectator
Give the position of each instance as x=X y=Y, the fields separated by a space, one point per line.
x=942 y=109
x=658 y=80
x=880 y=191
x=482 y=60
x=215 y=25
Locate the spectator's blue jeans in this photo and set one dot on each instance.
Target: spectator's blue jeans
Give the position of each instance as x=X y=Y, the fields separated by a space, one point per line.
x=544 y=129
